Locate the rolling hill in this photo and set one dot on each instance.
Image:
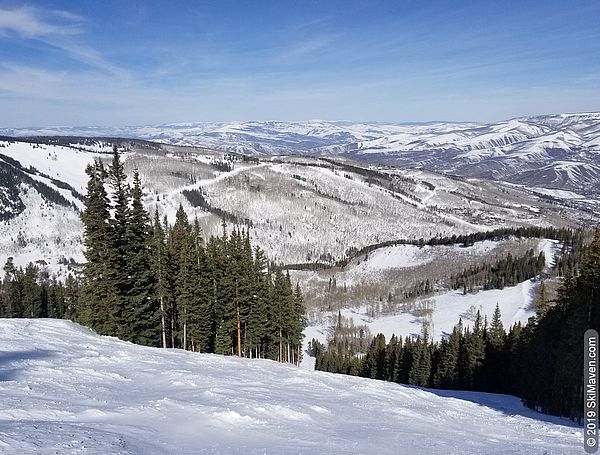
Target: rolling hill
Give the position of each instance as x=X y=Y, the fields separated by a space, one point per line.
x=299 y=209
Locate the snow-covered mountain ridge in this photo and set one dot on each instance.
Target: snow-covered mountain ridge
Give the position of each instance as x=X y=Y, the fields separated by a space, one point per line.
x=67 y=390
x=300 y=209
x=552 y=151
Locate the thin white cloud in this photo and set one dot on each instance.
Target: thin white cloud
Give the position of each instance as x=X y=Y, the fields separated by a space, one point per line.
x=32 y=96
x=56 y=28
x=310 y=46
x=90 y=57
x=33 y=23
x=63 y=86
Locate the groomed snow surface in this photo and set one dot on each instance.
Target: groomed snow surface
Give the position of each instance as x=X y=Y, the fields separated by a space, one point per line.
x=66 y=390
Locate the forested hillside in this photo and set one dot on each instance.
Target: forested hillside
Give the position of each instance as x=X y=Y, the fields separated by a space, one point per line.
x=540 y=361
x=158 y=284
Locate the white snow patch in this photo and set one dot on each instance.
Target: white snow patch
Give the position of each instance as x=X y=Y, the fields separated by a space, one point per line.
x=394 y=257
x=61 y=163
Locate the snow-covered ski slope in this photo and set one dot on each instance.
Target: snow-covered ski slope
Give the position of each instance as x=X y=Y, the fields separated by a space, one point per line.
x=66 y=390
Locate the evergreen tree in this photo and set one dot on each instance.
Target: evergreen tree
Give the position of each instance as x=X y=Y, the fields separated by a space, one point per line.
x=158 y=270
x=391 y=358
x=446 y=375
x=56 y=299
x=201 y=318
x=71 y=298
x=420 y=369
x=12 y=291
x=374 y=365
x=541 y=301
x=100 y=294
x=141 y=312
x=496 y=333
x=32 y=303
x=185 y=280
x=399 y=366
x=282 y=302
x=223 y=344
x=298 y=323
x=471 y=355
x=259 y=323
x=120 y=223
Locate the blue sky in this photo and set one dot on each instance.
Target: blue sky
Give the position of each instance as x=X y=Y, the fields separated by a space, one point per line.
x=114 y=63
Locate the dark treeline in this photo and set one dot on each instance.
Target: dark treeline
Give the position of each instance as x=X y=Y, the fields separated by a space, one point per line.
x=505 y=272
x=41 y=187
x=569 y=261
x=79 y=141
x=541 y=362
x=222 y=165
x=31 y=293
x=12 y=175
x=155 y=284
x=196 y=198
x=573 y=239
x=419 y=289
x=455 y=363
x=395 y=184
x=363 y=171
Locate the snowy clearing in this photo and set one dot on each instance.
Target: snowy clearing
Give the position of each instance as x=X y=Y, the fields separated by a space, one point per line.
x=67 y=390
x=445 y=308
x=62 y=163
x=405 y=256
x=514 y=302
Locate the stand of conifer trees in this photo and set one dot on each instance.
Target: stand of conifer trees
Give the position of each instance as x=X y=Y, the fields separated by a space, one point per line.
x=506 y=272
x=454 y=363
x=541 y=362
x=161 y=285
x=155 y=284
x=30 y=293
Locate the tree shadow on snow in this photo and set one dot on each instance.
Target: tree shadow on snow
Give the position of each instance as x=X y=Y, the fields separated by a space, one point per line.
x=508 y=405
x=12 y=362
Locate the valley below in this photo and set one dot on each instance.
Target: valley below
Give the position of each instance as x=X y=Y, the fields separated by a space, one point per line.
x=404 y=236
x=327 y=220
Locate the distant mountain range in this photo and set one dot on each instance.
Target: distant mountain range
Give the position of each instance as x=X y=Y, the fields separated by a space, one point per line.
x=553 y=151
